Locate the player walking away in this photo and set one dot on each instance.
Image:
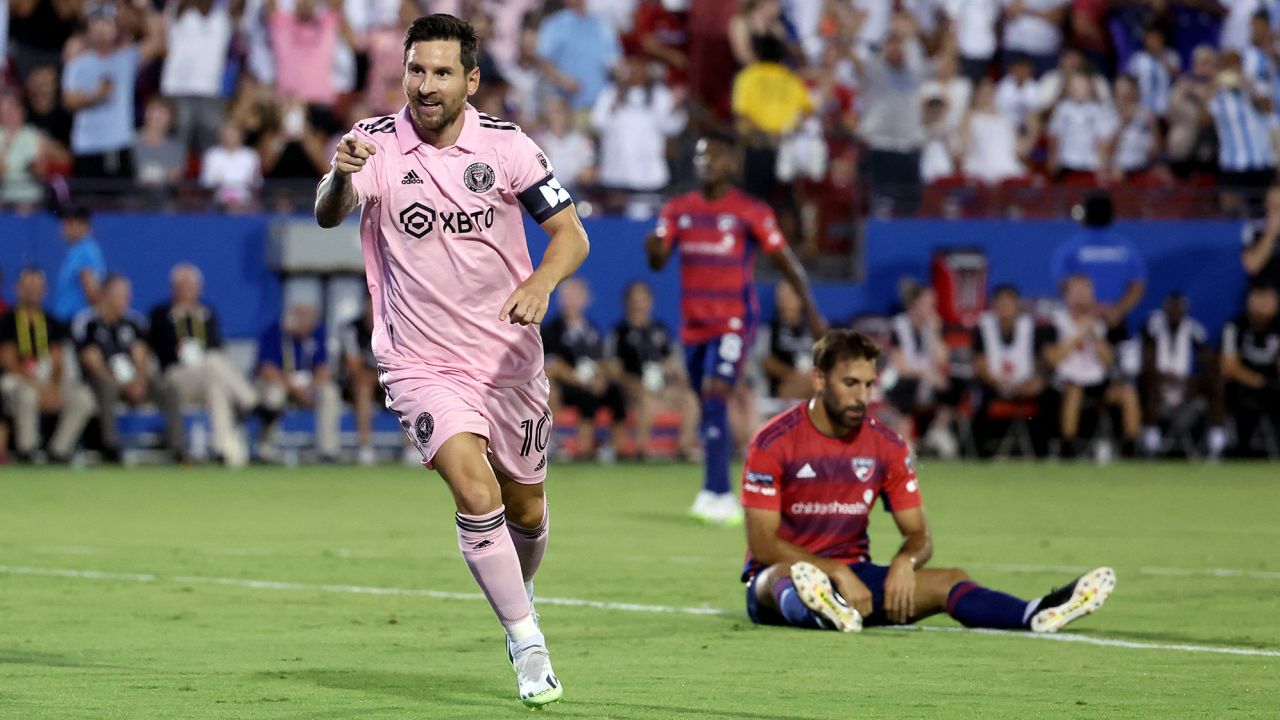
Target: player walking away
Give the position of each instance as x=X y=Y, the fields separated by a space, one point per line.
x=717 y=230
x=812 y=476
x=455 y=300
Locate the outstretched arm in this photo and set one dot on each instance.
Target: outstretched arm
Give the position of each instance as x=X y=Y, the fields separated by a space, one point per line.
x=336 y=196
x=793 y=272
x=657 y=251
x=569 y=247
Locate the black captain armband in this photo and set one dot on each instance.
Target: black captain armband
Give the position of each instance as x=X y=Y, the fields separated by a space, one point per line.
x=545 y=198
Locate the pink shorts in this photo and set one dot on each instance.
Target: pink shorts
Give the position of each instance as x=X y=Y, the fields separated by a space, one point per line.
x=516 y=421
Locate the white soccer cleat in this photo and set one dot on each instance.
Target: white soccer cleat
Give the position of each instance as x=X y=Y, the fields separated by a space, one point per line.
x=704 y=506
x=1083 y=596
x=716 y=509
x=535 y=678
x=729 y=510
x=815 y=591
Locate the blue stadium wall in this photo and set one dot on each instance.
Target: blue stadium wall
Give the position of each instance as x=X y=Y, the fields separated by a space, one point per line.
x=1198 y=258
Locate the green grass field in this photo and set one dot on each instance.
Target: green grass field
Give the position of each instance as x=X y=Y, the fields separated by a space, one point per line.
x=170 y=623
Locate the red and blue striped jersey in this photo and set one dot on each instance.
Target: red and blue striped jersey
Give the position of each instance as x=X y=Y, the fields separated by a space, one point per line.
x=825 y=487
x=717 y=260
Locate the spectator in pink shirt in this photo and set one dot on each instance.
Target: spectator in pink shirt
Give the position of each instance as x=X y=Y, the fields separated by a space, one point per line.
x=305 y=42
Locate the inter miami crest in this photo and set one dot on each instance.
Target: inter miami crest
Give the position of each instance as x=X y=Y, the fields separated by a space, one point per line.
x=863 y=467
x=479 y=177
x=423 y=427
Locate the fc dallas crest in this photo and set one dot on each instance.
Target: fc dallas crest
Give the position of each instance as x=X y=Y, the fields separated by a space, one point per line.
x=863 y=467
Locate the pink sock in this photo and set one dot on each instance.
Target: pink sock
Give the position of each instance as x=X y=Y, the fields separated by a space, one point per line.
x=531 y=544
x=486 y=546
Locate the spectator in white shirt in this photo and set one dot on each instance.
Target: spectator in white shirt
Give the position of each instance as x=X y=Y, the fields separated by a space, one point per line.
x=1053 y=85
x=974 y=24
x=951 y=86
x=991 y=144
x=1018 y=96
x=1154 y=67
x=1259 y=58
x=1246 y=160
x=1032 y=29
x=197 y=35
x=873 y=28
x=1135 y=147
x=570 y=149
x=1078 y=129
x=633 y=118
x=1235 y=28
x=231 y=170
x=937 y=160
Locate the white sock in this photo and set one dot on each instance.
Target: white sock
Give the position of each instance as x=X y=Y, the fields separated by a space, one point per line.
x=523 y=630
x=1032 y=607
x=1217 y=440
x=528 y=590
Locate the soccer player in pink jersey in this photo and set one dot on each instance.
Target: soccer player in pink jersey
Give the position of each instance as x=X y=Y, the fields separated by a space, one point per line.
x=455 y=300
x=813 y=475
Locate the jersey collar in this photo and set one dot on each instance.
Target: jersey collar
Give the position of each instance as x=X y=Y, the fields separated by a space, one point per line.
x=468 y=140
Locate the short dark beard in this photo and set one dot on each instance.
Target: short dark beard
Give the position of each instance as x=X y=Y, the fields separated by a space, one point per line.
x=835 y=414
x=447 y=116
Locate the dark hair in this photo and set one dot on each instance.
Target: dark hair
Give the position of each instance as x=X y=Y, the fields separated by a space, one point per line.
x=442 y=26
x=840 y=345
x=1096 y=211
x=1004 y=288
x=112 y=278
x=768 y=48
x=76 y=212
x=719 y=135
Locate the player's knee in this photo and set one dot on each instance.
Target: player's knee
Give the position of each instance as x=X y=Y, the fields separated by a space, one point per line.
x=476 y=498
x=955 y=576
x=526 y=508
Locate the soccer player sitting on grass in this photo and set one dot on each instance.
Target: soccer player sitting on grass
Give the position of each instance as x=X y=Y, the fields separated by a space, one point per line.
x=812 y=476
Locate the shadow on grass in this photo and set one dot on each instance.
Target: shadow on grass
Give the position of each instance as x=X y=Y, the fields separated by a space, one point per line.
x=423 y=686
x=469 y=693
x=10 y=656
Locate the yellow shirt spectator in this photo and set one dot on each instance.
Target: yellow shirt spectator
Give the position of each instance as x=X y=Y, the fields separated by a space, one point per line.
x=770 y=97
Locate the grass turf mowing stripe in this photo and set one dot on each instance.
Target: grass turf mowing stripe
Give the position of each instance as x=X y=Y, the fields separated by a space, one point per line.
x=596 y=604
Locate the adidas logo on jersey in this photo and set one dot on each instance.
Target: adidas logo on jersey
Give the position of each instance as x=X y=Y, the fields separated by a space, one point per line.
x=411 y=178
x=806 y=472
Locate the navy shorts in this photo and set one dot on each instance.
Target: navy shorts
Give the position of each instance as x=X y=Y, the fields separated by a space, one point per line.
x=721 y=359
x=873 y=576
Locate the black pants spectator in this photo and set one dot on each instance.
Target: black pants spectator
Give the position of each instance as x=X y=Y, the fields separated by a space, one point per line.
x=894 y=177
x=1248 y=406
x=112 y=165
x=759 y=171
x=588 y=403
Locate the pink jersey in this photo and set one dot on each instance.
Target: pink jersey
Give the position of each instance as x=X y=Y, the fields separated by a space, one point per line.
x=444 y=245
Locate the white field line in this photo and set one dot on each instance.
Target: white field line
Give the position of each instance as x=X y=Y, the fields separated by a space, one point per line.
x=346 y=553
x=596 y=604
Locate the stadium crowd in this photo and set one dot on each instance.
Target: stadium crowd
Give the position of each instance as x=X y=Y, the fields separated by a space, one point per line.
x=846 y=106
